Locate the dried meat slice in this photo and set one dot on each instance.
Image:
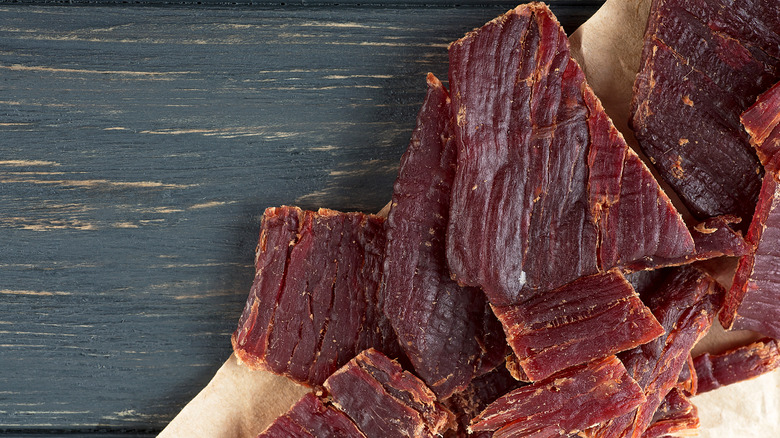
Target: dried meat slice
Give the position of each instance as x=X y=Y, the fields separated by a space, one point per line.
x=546 y=190
x=448 y=332
x=737 y=365
x=703 y=63
x=762 y=123
x=311 y=418
x=685 y=303
x=753 y=302
x=386 y=401
x=676 y=416
x=565 y=403
x=587 y=319
x=315 y=300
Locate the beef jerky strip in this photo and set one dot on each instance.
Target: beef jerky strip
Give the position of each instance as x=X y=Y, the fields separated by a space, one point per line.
x=762 y=123
x=386 y=401
x=546 y=190
x=753 y=302
x=311 y=418
x=703 y=63
x=565 y=403
x=314 y=303
x=737 y=365
x=587 y=319
x=685 y=304
x=688 y=381
x=676 y=416
x=448 y=332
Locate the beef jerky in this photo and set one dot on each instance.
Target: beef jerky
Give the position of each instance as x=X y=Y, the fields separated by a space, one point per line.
x=703 y=63
x=565 y=403
x=587 y=319
x=753 y=302
x=762 y=123
x=314 y=303
x=685 y=304
x=311 y=418
x=688 y=381
x=386 y=401
x=737 y=365
x=448 y=332
x=546 y=190
x=676 y=416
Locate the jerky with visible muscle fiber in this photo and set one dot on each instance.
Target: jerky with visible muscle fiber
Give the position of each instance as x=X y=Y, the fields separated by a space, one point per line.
x=310 y=418
x=448 y=332
x=676 y=416
x=546 y=189
x=762 y=123
x=737 y=365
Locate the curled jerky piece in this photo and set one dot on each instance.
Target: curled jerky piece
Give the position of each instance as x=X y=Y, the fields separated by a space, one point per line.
x=448 y=332
x=315 y=300
x=676 y=416
x=310 y=417
x=546 y=189
x=762 y=122
x=737 y=365
x=587 y=319
x=386 y=401
x=564 y=403
x=685 y=303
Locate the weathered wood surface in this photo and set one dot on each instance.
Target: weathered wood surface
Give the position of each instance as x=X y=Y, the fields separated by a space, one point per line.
x=138 y=148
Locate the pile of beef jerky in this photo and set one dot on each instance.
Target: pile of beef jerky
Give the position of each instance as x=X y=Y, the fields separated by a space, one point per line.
x=532 y=279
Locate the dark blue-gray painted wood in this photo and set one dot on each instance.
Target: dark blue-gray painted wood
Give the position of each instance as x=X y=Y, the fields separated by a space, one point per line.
x=138 y=149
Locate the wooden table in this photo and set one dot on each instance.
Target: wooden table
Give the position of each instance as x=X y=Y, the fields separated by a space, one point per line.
x=139 y=146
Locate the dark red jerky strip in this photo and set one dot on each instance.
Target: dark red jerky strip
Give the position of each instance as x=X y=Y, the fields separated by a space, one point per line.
x=676 y=416
x=753 y=302
x=688 y=381
x=703 y=63
x=737 y=365
x=762 y=123
x=446 y=330
x=324 y=306
x=587 y=319
x=565 y=403
x=685 y=304
x=546 y=190
x=310 y=418
x=386 y=401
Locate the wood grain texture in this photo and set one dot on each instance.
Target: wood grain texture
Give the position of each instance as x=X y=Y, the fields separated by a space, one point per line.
x=138 y=147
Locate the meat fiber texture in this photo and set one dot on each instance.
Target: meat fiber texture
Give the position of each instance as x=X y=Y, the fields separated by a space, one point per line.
x=736 y=365
x=311 y=418
x=563 y=404
x=762 y=123
x=703 y=63
x=676 y=416
x=386 y=401
x=546 y=190
x=315 y=302
x=685 y=303
x=448 y=332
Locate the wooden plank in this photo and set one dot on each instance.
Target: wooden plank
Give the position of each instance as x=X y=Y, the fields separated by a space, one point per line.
x=138 y=148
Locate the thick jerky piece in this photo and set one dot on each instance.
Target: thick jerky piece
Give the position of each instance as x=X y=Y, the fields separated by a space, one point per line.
x=753 y=302
x=565 y=403
x=703 y=63
x=315 y=301
x=310 y=418
x=685 y=304
x=386 y=401
x=737 y=365
x=587 y=319
x=447 y=331
x=546 y=190
x=762 y=122
x=676 y=416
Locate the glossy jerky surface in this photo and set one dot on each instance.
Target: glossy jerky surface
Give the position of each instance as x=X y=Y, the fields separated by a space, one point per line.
x=753 y=302
x=448 y=332
x=676 y=416
x=310 y=418
x=315 y=300
x=737 y=365
x=703 y=63
x=762 y=123
x=564 y=403
x=590 y=318
x=546 y=190
x=685 y=303
x=386 y=401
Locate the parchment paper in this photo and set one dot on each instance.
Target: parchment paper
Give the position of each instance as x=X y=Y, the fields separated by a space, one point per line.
x=241 y=403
